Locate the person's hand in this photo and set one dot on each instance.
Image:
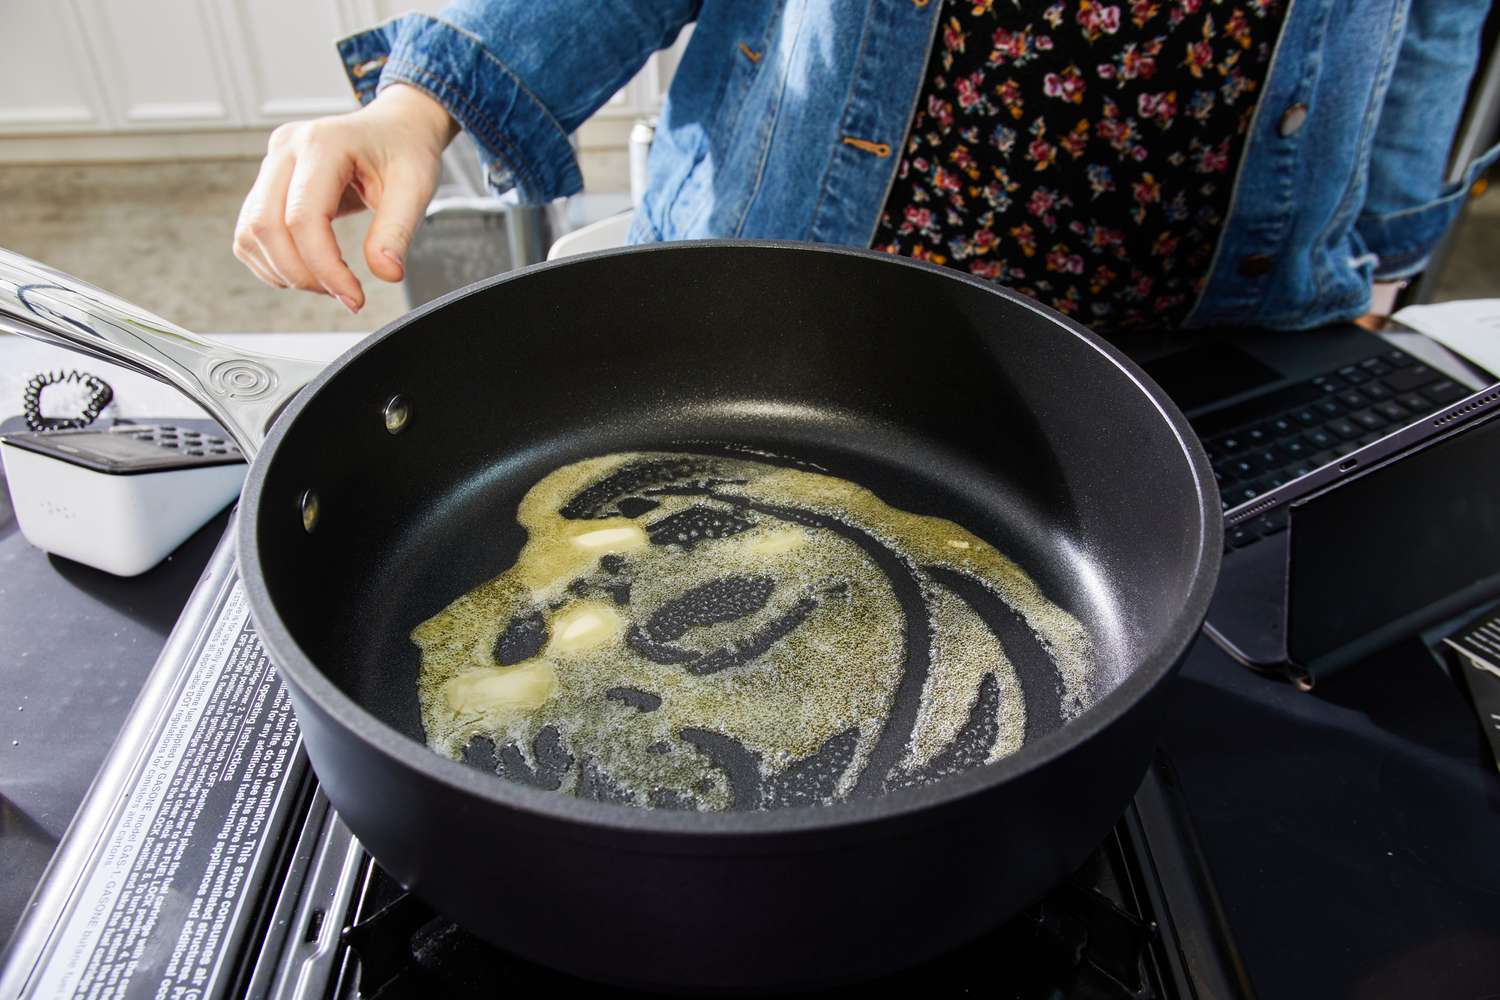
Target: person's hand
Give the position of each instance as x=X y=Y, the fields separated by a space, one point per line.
x=385 y=156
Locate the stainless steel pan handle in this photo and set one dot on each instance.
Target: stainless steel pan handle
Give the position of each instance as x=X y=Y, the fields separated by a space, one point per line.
x=242 y=390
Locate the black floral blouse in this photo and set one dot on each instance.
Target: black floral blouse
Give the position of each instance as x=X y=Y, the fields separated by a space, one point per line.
x=1082 y=151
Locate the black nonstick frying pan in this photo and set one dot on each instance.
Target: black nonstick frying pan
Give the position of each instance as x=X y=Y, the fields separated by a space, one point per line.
x=389 y=486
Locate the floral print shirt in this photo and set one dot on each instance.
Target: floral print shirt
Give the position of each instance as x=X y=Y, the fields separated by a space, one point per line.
x=1082 y=151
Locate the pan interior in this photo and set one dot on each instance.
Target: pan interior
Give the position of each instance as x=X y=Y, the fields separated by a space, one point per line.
x=742 y=640
x=941 y=396
x=471 y=535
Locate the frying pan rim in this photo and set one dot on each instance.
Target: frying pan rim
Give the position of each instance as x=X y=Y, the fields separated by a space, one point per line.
x=850 y=815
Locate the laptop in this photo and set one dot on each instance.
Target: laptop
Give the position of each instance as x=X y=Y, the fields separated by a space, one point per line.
x=1288 y=418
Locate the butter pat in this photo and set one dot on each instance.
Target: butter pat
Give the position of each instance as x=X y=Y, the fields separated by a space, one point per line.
x=775 y=542
x=622 y=539
x=582 y=627
x=500 y=693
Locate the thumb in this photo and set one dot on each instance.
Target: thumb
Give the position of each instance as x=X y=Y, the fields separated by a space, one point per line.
x=404 y=195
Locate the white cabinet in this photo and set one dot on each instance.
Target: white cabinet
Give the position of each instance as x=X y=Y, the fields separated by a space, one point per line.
x=285 y=74
x=47 y=82
x=81 y=79
x=163 y=71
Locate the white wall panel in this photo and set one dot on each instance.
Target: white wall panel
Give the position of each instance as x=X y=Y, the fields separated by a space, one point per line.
x=46 y=82
x=284 y=57
x=173 y=68
x=390 y=8
x=162 y=63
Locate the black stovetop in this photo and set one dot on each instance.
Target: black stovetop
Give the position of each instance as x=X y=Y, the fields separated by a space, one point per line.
x=1096 y=937
x=1351 y=831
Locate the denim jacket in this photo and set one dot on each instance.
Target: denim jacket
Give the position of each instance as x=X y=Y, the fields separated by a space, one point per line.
x=786 y=119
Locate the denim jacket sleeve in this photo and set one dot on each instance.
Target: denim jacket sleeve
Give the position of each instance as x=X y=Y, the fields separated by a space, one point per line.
x=1408 y=205
x=518 y=76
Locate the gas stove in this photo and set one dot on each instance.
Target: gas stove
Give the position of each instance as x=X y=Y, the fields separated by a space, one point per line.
x=1096 y=937
x=206 y=863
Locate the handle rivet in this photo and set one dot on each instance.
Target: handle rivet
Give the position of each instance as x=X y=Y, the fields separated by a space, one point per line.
x=310 y=509
x=397 y=414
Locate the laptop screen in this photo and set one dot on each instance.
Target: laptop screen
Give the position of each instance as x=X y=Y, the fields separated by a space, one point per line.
x=1352 y=588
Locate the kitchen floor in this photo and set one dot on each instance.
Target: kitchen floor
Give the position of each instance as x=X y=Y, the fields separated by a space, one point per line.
x=158 y=234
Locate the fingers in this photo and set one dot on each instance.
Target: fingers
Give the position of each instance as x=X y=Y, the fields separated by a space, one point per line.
x=312 y=202
x=261 y=238
x=399 y=207
x=317 y=171
x=248 y=251
x=260 y=270
x=284 y=234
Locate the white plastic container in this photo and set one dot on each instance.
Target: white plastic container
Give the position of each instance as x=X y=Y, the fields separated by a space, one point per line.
x=120 y=499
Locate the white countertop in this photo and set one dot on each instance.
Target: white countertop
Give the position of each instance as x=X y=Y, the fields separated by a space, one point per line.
x=136 y=395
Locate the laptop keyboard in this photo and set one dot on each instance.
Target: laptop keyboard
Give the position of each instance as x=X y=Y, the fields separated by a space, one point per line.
x=1321 y=420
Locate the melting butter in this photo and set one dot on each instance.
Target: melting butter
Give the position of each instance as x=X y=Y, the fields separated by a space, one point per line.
x=774 y=543
x=582 y=627
x=622 y=539
x=487 y=695
x=710 y=613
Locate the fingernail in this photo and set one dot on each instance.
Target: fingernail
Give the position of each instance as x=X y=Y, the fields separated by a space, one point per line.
x=349 y=305
x=390 y=255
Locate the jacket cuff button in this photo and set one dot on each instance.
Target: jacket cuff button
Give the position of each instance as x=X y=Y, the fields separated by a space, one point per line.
x=1257 y=265
x=1292 y=120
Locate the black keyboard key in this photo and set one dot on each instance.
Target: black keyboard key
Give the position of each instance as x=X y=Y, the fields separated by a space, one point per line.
x=1230 y=419
x=1351 y=373
x=1322 y=458
x=1321 y=439
x=1240 y=535
x=1258 y=436
x=1329 y=408
x=1445 y=391
x=1298 y=471
x=1226 y=444
x=1344 y=428
x=1393 y=410
x=1415 y=402
x=1330 y=383
x=1410 y=377
x=1272 y=521
x=1294 y=450
x=1376 y=390
x=1242 y=493
x=1306 y=417
x=1375 y=366
x=1352 y=398
x=1397 y=359
x=1274 y=481
x=1242 y=467
x=1224 y=472
x=1283 y=426
x=1369 y=420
